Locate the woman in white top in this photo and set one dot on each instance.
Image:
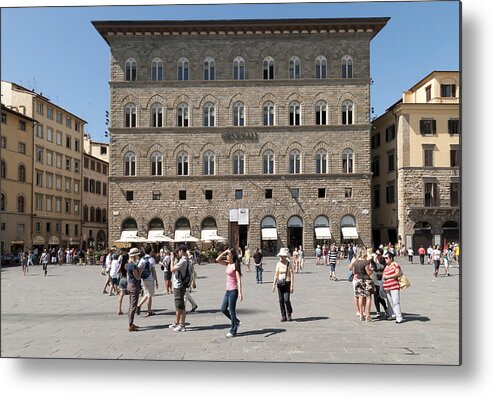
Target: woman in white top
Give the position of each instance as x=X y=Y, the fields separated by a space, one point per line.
x=284 y=280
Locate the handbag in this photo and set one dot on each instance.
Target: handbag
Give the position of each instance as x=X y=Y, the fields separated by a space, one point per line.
x=403 y=280
x=350 y=275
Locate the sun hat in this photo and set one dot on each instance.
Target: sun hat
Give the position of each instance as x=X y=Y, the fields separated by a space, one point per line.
x=283 y=252
x=134 y=252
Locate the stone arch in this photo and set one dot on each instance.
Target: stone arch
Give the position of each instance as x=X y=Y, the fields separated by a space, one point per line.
x=321 y=145
x=292 y=146
x=239 y=97
x=209 y=53
x=182 y=52
x=321 y=96
x=268 y=146
x=269 y=97
x=182 y=99
x=236 y=147
x=183 y=147
x=294 y=97
x=131 y=148
x=347 y=96
x=207 y=147
x=155 y=148
x=209 y=98
x=155 y=99
x=131 y=99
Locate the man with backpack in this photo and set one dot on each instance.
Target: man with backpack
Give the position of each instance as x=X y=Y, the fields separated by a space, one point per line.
x=149 y=278
x=181 y=279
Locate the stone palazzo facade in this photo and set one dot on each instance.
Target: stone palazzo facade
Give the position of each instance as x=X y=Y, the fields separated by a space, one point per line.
x=256 y=131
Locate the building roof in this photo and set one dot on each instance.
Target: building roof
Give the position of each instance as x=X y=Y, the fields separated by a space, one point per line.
x=427 y=77
x=17 y=113
x=373 y=25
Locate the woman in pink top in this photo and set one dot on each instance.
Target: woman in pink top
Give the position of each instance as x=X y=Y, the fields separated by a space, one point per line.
x=391 y=285
x=234 y=288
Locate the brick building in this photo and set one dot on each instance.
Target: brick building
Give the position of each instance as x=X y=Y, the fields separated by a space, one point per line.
x=254 y=130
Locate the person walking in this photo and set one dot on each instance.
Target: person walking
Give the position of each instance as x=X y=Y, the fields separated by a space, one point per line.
x=113 y=273
x=106 y=269
x=257 y=259
x=325 y=252
x=60 y=256
x=45 y=259
x=301 y=258
x=332 y=262
x=284 y=281
x=30 y=258
x=147 y=266
x=24 y=263
x=421 y=253
x=188 y=291
x=234 y=288
x=410 y=254
x=391 y=286
x=167 y=271
x=248 y=258
x=133 y=286
x=429 y=251
x=437 y=256
x=181 y=270
x=296 y=260
x=446 y=260
x=122 y=282
x=318 y=254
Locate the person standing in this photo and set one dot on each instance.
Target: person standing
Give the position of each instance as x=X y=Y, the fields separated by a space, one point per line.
x=113 y=272
x=378 y=266
x=437 y=256
x=180 y=270
x=457 y=253
x=147 y=266
x=296 y=260
x=30 y=258
x=248 y=258
x=325 y=252
x=257 y=259
x=350 y=253
x=284 y=281
x=122 y=283
x=107 y=267
x=446 y=260
x=421 y=253
x=133 y=286
x=391 y=286
x=364 y=286
x=234 y=288
x=167 y=271
x=45 y=259
x=333 y=262
x=318 y=254
x=24 y=263
x=429 y=251
x=410 y=254
x=301 y=258
x=60 y=256
x=193 y=285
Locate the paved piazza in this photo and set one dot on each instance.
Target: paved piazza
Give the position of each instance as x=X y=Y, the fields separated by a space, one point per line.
x=65 y=315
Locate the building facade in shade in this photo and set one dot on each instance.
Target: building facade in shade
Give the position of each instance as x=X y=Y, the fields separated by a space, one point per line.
x=16 y=152
x=257 y=131
x=57 y=168
x=95 y=195
x=416 y=164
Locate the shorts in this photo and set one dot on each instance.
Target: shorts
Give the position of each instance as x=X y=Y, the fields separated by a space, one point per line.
x=364 y=288
x=123 y=283
x=148 y=287
x=179 y=294
x=114 y=281
x=446 y=263
x=437 y=264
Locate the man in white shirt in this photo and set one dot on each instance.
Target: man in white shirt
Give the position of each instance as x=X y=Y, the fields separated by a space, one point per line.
x=147 y=267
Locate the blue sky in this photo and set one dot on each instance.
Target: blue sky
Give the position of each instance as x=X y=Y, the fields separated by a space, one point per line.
x=64 y=57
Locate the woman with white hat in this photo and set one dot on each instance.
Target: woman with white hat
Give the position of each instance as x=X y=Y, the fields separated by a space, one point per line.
x=133 y=286
x=284 y=280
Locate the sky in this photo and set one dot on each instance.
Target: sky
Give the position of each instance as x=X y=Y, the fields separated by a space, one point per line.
x=65 y=58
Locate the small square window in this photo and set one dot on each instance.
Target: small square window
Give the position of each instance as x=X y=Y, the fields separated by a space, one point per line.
x=268 y=193
x=130 y=195
x=238 y=194
x=321 y=192
x=156 y=195
x=182 y=194
x=208 y=194
x=348 y=192
x=295 y=193
x=2 y=226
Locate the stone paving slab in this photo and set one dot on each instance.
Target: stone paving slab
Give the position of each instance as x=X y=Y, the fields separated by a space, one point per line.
x=65 y=315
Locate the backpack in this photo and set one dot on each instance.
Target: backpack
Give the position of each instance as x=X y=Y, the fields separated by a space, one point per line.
x=186 y=280
x=147 y=269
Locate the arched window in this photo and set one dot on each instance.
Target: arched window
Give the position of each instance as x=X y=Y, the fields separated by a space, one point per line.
x=156 y=164
x=238 y=114
x=130 y=69
x=85 y=213
x=157 y=69
x=129 y=164
x=269 y=162
x=347 y=67
x=20 y=204
x=104 y=218
x=321 y=113
x=209 y=115
x=238 y=68
x=2 y=202
x=268 y=113
x=295 y=162
x=268 y=68
x=321 y=67
x=294 y=114
x=347 y=113
x=294 y=71
x=347 y=161
x=182 y=115
x=321 y=162
x=130 y=115
x=348 y=221
x=92 y=212
x=209 y=168
x=183 y=69
x=98 y=214
x=3 y=170
x=182 y=164
x=156 y=115
x=22 y=173
x=129 y=224
x=239 y=163
x=209 y=69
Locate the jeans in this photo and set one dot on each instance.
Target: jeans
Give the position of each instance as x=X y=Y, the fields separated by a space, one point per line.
x=134 y=291
x=45 y=267
x=259 y=271
x=422 y=259
x=228 y=307
x=284 y=300
x=394 y=297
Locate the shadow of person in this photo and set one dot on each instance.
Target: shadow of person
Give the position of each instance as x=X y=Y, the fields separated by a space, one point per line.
x=264 y=331
x=414 y=317
x=306 y=319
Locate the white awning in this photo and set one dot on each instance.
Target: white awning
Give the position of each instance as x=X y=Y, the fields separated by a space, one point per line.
x=322 y=233
x=210 y=235
x=269 y=233
x=130 y=236
x=158 y=236
x=349 y=233
x=183 y=236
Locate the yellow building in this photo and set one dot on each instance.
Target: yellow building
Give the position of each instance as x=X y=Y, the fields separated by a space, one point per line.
x=16 y=132
x=57 y=168
x=416 y=163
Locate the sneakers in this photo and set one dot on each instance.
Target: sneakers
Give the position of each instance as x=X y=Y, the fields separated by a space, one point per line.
x=171 y=326
x=283 y=319
x=179 y=328
x=398 y=321
x=289 y=317
x=229 y=335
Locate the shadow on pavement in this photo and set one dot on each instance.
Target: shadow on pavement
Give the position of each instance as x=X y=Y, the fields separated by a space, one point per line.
x=414 y=317
x=306 y=319
x=209 y=327
x=264 y=331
